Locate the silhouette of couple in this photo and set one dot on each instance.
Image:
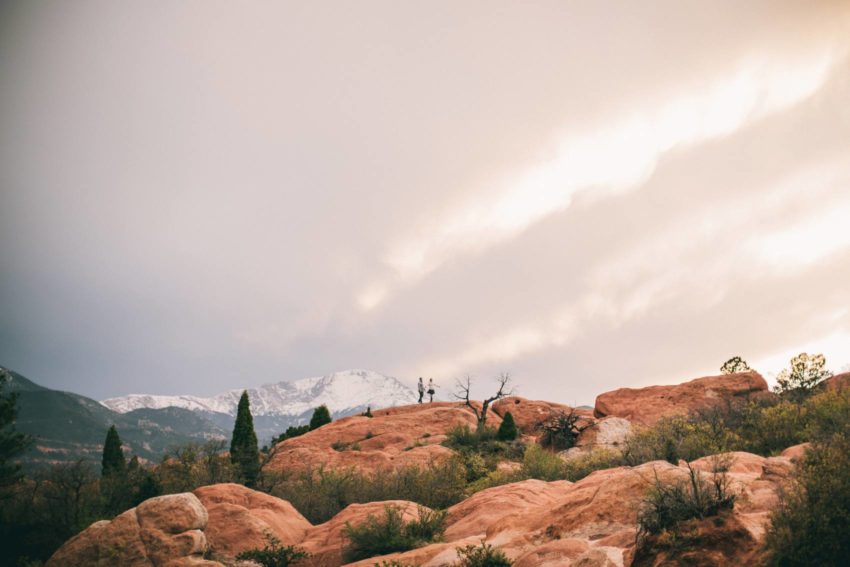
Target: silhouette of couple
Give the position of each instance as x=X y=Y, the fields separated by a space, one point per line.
x=430 y=391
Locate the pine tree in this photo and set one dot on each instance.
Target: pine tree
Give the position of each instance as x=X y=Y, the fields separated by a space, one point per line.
x=244 y=451
x=113 y=456
x=507 y=431
x=12 y=442
x=321 y=416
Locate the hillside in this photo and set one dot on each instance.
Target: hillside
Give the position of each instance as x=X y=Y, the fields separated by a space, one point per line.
x=67 y=426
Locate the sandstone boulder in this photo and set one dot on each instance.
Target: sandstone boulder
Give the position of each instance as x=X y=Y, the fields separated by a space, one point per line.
x=240 y=519
x=645 y=406
x=162 y=531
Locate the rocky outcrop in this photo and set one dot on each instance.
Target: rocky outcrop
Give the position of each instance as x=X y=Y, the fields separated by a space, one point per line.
x=593 y=522
x=530 y=414
x=241 y=519
x=166 y=531
x=393 y=438
x=589 y=523
x=645 y=406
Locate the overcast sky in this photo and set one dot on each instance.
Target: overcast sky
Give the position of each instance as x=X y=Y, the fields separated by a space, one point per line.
x=199 y=196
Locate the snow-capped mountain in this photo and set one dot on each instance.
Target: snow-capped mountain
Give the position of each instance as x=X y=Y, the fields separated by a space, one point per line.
x=343 y=392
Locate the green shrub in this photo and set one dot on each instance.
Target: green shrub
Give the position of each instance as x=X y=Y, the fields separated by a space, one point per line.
x=827 y=414
x=340 y=445
x=561 y=430
x=542 y=464
x=428 y=527
x=507 y=430
x=463 y=437
x=390 y=534
x=669 y=505
x=599 y=459
x=810 y=526
x=484 y=555
x=772 y=429
x=678 y=438
x=274 y=554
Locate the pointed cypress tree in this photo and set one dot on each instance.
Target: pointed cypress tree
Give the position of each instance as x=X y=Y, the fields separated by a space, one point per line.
x=113 y=462
x=321 y=416
x=244 y=451
x=507 y=431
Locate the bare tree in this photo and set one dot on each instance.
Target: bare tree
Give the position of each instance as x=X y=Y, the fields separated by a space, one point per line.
x=463 y=387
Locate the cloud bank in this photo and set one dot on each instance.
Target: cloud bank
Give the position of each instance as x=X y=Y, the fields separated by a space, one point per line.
x=200 y=197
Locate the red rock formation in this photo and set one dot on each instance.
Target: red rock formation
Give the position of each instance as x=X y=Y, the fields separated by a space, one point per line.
x=591 y=522
x=162 y=531
x=645 y=406
x=240 y=518
x=392 y=439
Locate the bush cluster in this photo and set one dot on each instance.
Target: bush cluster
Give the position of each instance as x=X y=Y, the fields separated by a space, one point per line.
x=810 y=526
x=389 y=533
x=321 y=493
x=484 y=555
x=669 y=506
x=274 y=554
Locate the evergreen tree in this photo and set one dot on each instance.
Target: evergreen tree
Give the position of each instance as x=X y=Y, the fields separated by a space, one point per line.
x=321 y=416
x=12 y=442
x=133 y=465
x=113 y=456
x=507 y=431
x=244 y=451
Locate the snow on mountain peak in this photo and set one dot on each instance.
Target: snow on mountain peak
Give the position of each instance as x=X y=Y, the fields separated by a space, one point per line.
x=342 y=392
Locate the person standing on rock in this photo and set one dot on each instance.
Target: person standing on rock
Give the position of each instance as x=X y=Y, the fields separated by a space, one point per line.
x=431 y=387
x=421 y=390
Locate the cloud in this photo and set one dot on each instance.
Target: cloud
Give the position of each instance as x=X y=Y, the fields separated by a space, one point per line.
x=608 y=158
x=201 y=198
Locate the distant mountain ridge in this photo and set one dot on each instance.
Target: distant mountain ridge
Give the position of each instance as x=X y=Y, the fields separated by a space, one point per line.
x=341 y=391
x=277 y=406
x=66 y=426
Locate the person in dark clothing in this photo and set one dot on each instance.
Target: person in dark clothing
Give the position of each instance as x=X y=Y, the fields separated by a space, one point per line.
x=421 y=390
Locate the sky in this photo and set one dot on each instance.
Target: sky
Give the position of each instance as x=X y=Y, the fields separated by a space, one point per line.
x=199 y=196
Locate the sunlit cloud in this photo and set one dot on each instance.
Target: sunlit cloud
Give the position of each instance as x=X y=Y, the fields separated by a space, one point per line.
x=814 y=238
x=632 y=282
x=611 y=158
